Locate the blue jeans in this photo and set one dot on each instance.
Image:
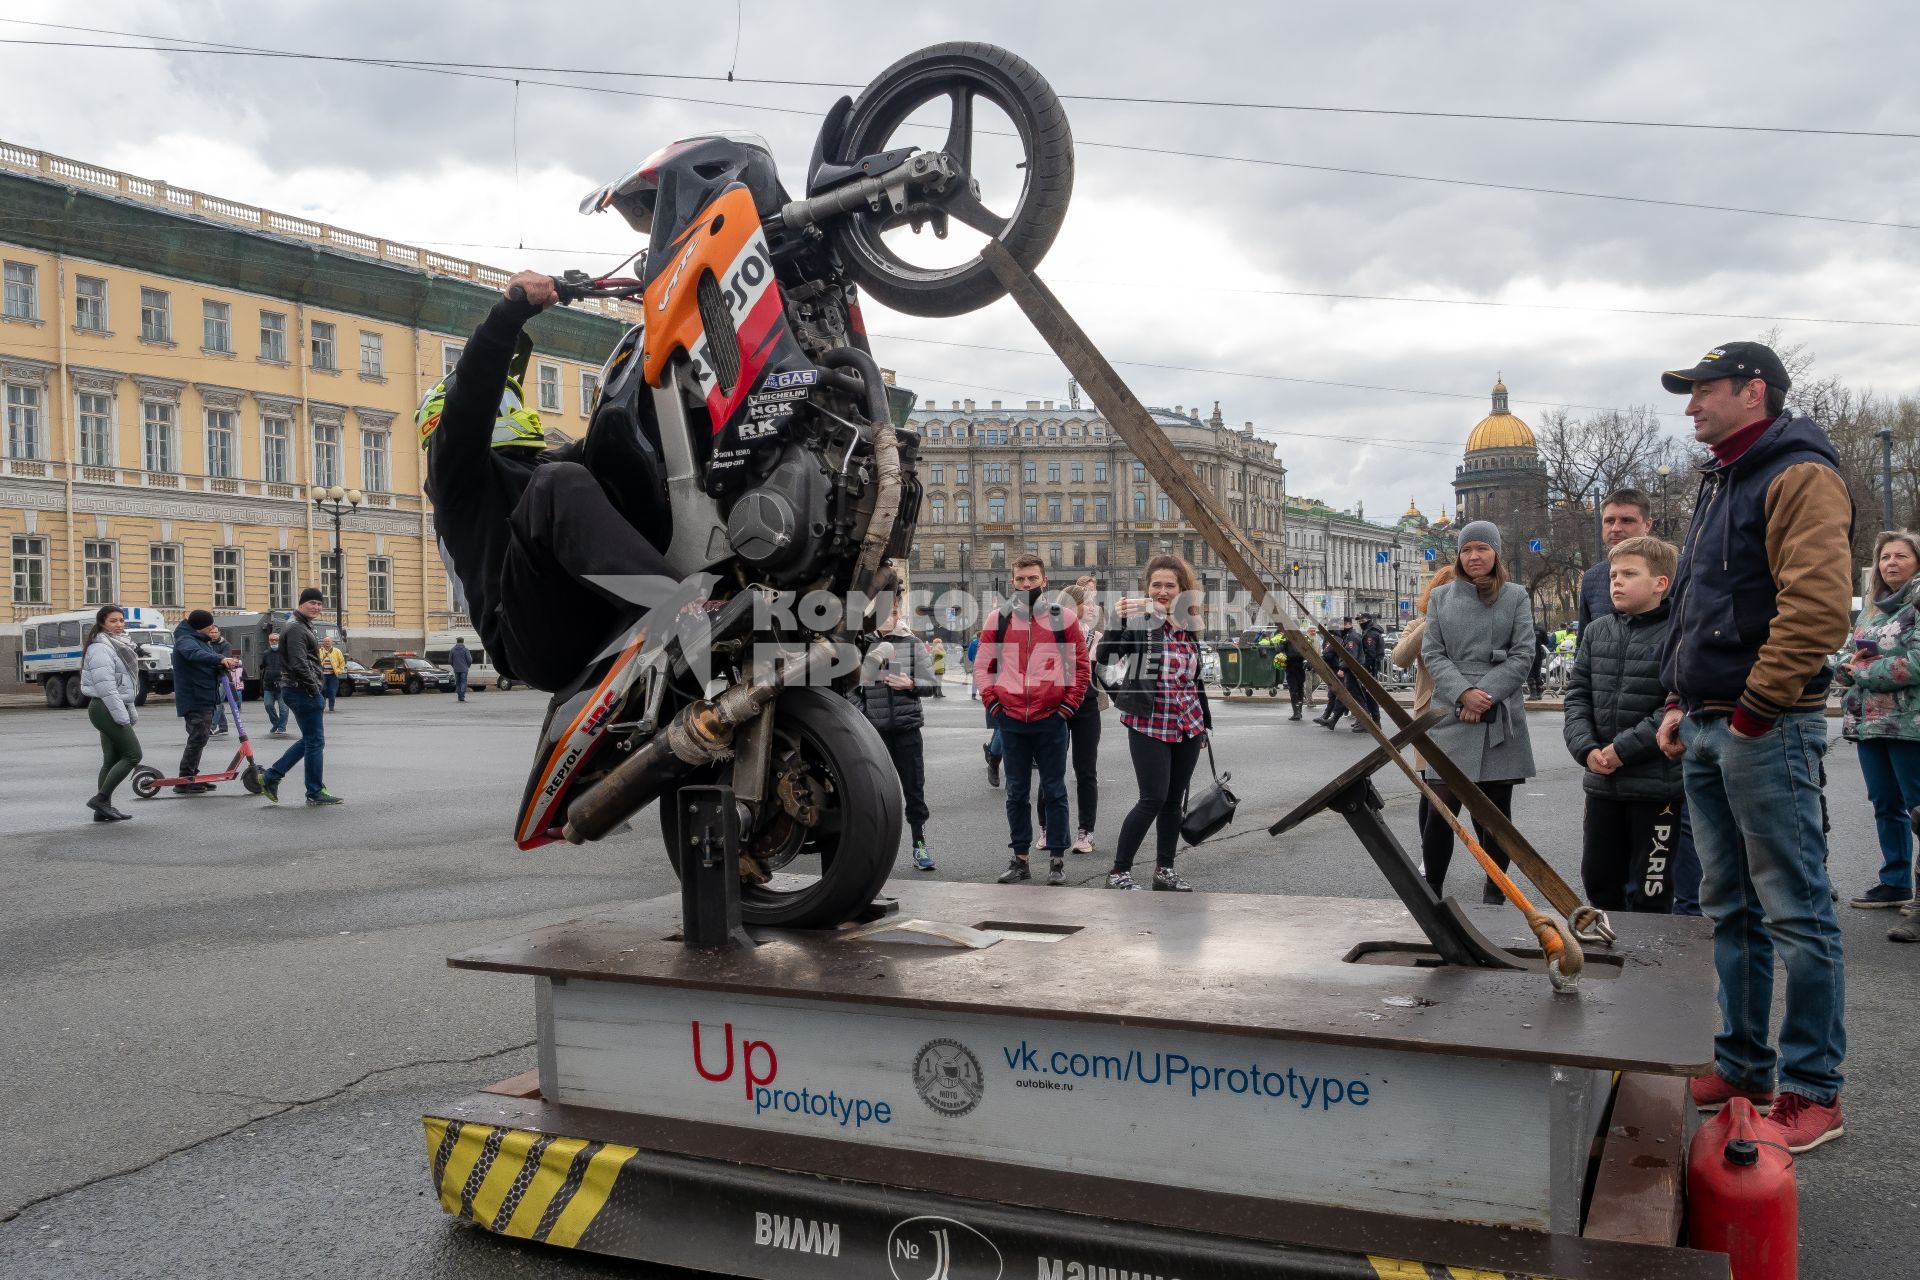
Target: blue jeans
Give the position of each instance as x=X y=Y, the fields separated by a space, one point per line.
x=309 y=709
x=331 y=688
x=1024 y=745
x=1756 y=820
x=460 y=684
x=1892 y=771
x=276 y=708
x=993 y=743
x=1686 y=869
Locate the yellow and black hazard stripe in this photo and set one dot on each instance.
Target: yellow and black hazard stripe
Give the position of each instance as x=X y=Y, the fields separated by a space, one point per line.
x=1397 y=1269
x=519 y=1183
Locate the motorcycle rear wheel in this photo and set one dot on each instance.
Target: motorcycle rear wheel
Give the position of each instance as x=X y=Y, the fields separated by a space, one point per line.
x=959 y=72
x=846 y=763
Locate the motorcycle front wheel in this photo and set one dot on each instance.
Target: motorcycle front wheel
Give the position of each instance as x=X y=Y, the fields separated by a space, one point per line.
x=830 y=758
x=957 y=75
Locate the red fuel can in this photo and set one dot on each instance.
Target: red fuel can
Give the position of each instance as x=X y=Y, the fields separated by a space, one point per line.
x=1741 y=1197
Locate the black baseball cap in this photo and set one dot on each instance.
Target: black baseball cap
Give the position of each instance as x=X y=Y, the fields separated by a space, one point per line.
x=1741 y=360
x=312 y=593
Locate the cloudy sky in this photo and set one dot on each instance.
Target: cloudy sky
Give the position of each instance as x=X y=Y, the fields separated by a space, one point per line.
x=1168 y=259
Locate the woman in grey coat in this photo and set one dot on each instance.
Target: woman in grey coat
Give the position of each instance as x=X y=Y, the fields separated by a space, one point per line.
x=1478 y=647
x=109 y=676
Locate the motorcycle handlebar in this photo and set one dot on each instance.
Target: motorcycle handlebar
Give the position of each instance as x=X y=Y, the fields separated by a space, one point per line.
x=573 y=291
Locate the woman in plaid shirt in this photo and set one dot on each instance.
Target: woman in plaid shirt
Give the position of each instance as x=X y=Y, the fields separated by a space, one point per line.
x=1164 y=707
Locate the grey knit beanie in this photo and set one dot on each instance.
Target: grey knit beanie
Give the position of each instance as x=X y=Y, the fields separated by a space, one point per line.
x=1480 y=531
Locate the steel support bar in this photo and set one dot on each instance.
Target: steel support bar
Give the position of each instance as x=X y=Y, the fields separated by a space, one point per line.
x=1124 y=412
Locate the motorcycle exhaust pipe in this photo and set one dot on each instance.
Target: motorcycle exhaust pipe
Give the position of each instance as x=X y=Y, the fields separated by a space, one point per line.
x=700 y=735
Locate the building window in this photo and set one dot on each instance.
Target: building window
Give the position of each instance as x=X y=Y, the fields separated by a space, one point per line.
x=1031 y=509
x=996 y=555
x=1139 y=473
x=1053 y=508
x=1079 y=555
x=156 y=316
x=373 y=461
x=100 y=559
x=95 y=412
x=589 y=393
x=90 y=307
x=939 y=555
x=373 y=362
x=276 y=456
x=156 y=436
x=449 y=357
x=163 y=575
x=23 y=291
x=1053 y=473
x=960 y=470
x=330 y=579
x=226 y=577
x=996 y=509
x=379 y=584
x=1054 y=557
x=549 y=388
x=23 y=421
x=1139 y=504
x=273 y=336
x=29 y=570
x=220 y=443
x=963 y=507
x=1166 y=509
x=1100 y=506
x=936 y=432
x=279 y=580
x=939 y=473
x=1100 y=553
x=326 y=454
x=939 y=511
x=323 y=356
x=1079 y=509
x=1028 y=472
x=1099 y=473
x=1142 y=552
x=216 y=327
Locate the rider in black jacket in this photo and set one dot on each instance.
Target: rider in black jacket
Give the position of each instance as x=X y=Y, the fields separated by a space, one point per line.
x=547 y=563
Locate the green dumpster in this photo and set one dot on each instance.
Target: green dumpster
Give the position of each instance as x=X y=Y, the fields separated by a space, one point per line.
x=1247 y=667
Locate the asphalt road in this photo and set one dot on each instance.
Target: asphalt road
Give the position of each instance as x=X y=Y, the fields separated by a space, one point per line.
x=222 y=1021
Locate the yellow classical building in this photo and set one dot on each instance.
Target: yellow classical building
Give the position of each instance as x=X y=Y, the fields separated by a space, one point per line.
x=179 y=371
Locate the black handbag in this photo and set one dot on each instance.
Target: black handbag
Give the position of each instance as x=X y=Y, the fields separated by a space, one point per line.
x=1203 y=815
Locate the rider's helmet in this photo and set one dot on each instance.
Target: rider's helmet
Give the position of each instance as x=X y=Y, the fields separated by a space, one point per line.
x=708 y=161
x=515 y=426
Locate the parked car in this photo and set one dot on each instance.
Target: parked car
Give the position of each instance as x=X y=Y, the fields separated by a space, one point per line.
x=361 y=679
x=411 y=673
x=51 y=653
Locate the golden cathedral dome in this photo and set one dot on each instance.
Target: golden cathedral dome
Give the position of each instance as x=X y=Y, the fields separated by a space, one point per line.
x=1500 y=429
x=1413 y=510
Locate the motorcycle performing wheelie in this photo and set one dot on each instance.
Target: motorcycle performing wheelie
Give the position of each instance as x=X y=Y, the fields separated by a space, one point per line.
x=746 y=427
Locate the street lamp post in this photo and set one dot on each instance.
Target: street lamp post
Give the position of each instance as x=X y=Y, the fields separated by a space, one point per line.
x=1664 y=471
x=1886 y=476
x=336 y=502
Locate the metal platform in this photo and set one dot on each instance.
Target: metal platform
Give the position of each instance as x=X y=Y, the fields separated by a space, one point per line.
x=1291 y=1074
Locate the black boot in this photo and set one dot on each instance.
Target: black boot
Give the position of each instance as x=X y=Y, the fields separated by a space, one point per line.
x=993 y=765
x=102 y=811
x=1296 y=712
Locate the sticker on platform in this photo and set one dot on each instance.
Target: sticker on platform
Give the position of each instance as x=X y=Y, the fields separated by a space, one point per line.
x=948 y=1077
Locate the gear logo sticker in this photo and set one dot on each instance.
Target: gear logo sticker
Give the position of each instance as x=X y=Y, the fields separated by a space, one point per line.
x=948 y=1077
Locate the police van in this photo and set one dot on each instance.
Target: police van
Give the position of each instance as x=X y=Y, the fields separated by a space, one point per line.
x=51 y=653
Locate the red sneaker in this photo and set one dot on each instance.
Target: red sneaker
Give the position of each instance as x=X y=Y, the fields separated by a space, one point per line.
x=1712 y=1090
x=1803 y=1124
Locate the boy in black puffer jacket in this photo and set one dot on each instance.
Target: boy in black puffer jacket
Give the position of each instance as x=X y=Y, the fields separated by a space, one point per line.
x=899 y=673
x=1614 y=705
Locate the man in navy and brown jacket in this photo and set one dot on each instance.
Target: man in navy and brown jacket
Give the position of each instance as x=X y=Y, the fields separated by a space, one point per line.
x=1033 y=672
x=1759 y=602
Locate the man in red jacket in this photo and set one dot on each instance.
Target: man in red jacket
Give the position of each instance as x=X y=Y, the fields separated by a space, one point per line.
x=1033 y=671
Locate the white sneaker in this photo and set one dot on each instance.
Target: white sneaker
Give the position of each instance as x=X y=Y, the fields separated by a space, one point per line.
x=1083 y=842
x=1121 y=880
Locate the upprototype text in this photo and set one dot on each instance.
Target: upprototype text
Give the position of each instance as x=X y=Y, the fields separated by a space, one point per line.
x=759 y=1067
x=1177 y=1071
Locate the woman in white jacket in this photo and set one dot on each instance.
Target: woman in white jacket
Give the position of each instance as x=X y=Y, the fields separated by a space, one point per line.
x=110 y=677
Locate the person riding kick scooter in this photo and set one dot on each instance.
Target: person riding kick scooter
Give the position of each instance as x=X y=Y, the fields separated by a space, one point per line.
x=551 y=547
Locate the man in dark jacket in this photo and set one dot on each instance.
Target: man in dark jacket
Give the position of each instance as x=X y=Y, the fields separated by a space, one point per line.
x=1759 y=603
x=301 y=677
x=1625 y=513
x=898 y=675
x=461 y=661
x=271 y=667
x=199 y=664
x=1337 y=652
x=1033 y=670
x=1614 y=704
x=1296 y=675
x=1370 y=646
x=545 y=561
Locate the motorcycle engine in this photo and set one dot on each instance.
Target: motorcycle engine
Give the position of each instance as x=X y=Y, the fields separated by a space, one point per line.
x=780 y=524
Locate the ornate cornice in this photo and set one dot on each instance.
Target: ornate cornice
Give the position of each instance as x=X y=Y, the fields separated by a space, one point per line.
x=218 y=397
x=163 y=389
x=98 y=381
x=374 y=419
x=324 y=413
x=22 y=369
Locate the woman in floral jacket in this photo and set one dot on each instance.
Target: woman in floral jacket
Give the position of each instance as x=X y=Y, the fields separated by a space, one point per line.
x=1881 y=705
